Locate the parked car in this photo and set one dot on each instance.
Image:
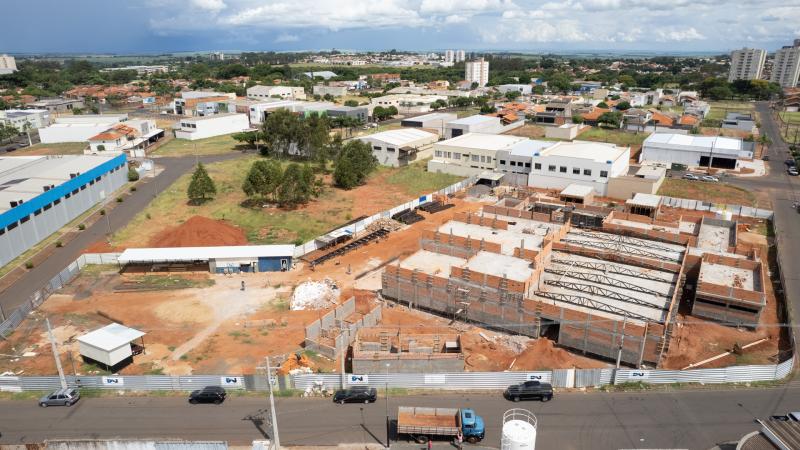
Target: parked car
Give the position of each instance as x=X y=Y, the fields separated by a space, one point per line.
x=709 y=178
x=356 y=395
x=690 y=176
x=765 y=158
x=61 y=397
x=792 y=171
x=790 y=162
x=529 y=390
x=209 y=394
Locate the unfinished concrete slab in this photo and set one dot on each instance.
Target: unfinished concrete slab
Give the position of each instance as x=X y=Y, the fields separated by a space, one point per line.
x=726 y=275
x=502 y=266
x=507 y=239
x=716 y=235
x=432 y=263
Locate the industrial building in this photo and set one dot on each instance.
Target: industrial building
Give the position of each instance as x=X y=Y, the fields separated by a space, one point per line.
x=223 y=259
x=739 y=121
x=479 y=124
x=400 y=147
x=194 y=128
x=471 y=153
x=56 y=105
x=587 y=163
x=17 y=118
x=334 y=91
x=360 y=113
x=78 y=128
x=433 y=121
x=259 y=92
x=406 y=103
x=200 y=103
x=696 y=151
x=41 y=194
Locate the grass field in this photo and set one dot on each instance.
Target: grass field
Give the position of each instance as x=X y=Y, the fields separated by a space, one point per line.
x=791 y=117
x=386 y=188
x=618 y=137
x=707 y=192
x=67 y=148
x=201 y=147
x=361 y=100
x=720 y=108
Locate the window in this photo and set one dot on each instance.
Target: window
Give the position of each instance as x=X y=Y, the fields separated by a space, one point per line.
x=438 y=153
x=448 y=155
x=47 y=206
x=376 y=148
x=25 y=219
x=503 y=162
x=587 y=172
x=475 y=158
x=456 y=155
x=562 y=169
x=603 y=174
x=537 y=166
x=390 y=149
x=483 y=158
x=37 y=212
x=576 y=171
x=551 y=168
x=12 y=226
x=75 y=192
x=513 y=163
x=83 y=187
x=57 y=201
x=67 y=195
x=528 y=165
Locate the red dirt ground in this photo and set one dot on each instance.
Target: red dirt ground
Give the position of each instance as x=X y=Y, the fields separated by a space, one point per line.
x=200 y=231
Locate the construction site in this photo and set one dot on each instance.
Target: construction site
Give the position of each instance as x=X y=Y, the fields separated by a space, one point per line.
x=484 y=280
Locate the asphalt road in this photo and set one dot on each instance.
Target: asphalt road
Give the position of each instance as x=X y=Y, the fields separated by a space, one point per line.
x=683 y=419
x=34 y=279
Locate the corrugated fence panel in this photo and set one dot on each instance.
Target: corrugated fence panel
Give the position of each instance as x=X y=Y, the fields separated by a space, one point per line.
x=451 y=381
x=784 y=368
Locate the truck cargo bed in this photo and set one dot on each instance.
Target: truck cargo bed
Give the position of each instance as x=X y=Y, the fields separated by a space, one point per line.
x=428 y=421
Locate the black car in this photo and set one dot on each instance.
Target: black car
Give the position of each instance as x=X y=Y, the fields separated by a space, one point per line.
x=355 y=395
x=790 y=162
x=529 y=390
x=209 y=394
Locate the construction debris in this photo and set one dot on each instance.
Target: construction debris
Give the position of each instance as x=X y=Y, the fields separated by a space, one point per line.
x=295 y=364
x=384 y=224
x=315 y=295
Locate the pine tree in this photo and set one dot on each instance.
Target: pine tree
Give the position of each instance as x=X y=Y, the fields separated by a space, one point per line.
x=202 y=186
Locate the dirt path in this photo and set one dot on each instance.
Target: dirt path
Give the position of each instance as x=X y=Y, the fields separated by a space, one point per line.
x=227 y=300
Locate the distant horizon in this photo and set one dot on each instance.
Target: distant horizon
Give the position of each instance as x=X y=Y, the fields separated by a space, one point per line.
x=144 y=27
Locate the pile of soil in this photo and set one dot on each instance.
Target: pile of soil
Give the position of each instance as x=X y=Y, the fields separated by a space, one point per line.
x=200 y=231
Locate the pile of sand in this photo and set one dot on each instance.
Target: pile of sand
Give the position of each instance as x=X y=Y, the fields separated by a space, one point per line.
x=200 y=231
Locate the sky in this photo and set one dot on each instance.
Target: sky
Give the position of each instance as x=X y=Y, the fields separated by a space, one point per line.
x=156 y=26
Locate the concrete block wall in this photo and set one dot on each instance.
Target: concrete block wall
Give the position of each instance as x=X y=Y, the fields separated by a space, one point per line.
x=467 y=217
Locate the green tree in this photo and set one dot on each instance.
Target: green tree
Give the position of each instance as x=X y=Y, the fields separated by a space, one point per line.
x=297 y=186
x=603 y=105
x=351 y=103
x=512 y=95
x=263 y=179
x=610 y=119
x=354 y=164
x=201 y=187
x=720 y=92
x=577 y=118
x=133 y=175
x=249 y=137
x=623 y=105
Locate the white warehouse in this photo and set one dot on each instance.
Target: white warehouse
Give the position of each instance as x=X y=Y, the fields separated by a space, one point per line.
x=209 y=126
x=578 y=162
x=696 y=151
x=40 y=194
x=471 y=153
x=400 y=147
x=479 y=124
x=78 y=128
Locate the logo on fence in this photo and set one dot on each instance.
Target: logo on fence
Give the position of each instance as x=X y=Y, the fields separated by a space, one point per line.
x=638 y=375
x=113 y=381
x=533 y=377
x=231 y=381
x=435 y=379
x=358 y=379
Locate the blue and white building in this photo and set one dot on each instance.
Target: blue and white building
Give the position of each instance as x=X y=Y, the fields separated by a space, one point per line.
x=222 y=259
x=41 y=194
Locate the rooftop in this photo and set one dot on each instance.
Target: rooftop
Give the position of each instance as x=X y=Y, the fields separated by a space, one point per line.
x=474 y=120
x=695 y=143
x=642 y=199
x=725 y=275
x=402 y=136
x=148 y=255
x=212 y=117
x=577 y=190
x=596 y=151
x=431 y=263
x=483 y=141
x=529 y=147
x=508 y=239
x=503 y=266
x=431 y=116
x=110 y=337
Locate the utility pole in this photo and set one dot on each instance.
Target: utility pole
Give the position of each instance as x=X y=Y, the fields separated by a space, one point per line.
x=55 y=354
x=621 y=341
x=344 y=355
x=2 y=314
x=276 y=440
x=388 y=427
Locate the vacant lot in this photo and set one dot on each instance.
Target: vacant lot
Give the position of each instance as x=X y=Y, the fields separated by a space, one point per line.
x=721 y=108
x=386 y=188
x=707 y=192
x=211 y=146
x=618 y=137
x=67 y=148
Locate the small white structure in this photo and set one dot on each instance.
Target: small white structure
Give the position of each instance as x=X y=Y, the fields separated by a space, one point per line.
x=568 y=131
x=524 y=89
x=282 y=92
x=519 y=430
x=433 y=121
x=111 y=344
x=695 y=151
x=222 y=259
x=399 y=147
x=478 y=124
x=132 y=136
x=335 y=91
x=217 y=125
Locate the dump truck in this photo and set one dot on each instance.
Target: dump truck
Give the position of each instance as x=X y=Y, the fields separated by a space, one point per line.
x=424 y=424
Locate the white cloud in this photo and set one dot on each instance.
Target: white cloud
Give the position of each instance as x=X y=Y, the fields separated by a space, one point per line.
x=455 y=18
x=286 y=37
x=463 y=6
x=538 y=31
x=677 y=35
x=210 y=5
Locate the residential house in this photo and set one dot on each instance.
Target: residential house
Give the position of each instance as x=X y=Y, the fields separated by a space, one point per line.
x=557 y=112
x=739 y=121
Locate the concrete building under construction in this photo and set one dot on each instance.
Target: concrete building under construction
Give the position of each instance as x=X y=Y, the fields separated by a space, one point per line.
x=375 y=348
x=528 y=266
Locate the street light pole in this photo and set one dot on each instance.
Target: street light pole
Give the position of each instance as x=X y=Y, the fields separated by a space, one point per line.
x=621 y=340
x=276 y=440
x=388 y=427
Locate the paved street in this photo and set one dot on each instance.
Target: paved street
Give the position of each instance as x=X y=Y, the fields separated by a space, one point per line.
x=34 y=279
x=686 y=419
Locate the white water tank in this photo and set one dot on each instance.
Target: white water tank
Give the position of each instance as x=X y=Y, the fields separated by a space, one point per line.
x=519 y=430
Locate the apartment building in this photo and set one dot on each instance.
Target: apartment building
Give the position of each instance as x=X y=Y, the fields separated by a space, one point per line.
x=786 y=68
x=477 y=72
x=747 y=64
x=7 y=64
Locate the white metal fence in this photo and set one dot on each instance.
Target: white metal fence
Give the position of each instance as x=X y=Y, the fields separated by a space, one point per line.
x=57 y=282
x=352 y=228
x=717 y=208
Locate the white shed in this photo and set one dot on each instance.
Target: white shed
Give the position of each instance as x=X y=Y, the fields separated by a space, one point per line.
x=111 y=344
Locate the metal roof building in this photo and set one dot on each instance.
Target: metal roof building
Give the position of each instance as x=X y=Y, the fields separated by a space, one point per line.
x=695 y=151
x=223 y=259
x=400 y=147
x=110 y=345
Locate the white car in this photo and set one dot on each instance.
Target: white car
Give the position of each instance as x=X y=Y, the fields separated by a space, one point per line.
x=709 y=178
x=690 y=176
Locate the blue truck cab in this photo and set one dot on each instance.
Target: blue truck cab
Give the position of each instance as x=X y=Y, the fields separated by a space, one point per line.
x=472 y=426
